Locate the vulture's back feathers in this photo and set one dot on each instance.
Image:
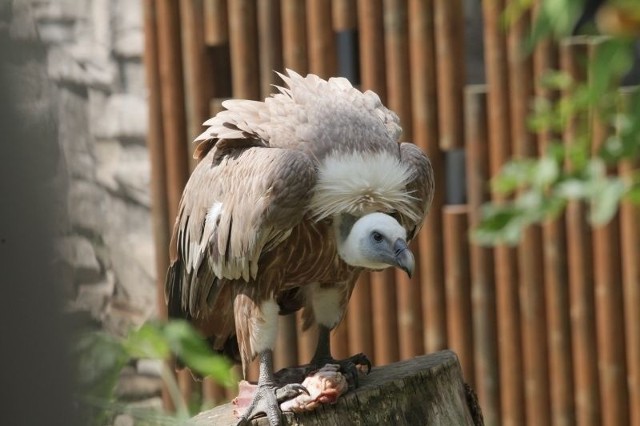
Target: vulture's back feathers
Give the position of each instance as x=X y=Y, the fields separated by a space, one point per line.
x=315 y=115
x=230 y=212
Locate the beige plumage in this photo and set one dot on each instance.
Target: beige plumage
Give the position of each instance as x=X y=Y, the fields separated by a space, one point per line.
x=267 y=222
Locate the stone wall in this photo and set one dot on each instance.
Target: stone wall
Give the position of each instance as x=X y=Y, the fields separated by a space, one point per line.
x=96 y=80
x=79 y=83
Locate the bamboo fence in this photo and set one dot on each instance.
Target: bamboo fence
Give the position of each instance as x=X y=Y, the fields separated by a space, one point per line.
x=547 y=332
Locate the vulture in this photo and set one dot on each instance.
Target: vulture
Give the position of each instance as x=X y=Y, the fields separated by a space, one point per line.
x=292 y=199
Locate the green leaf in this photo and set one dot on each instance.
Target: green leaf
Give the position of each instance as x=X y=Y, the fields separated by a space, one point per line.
x=556 y=80
x=148 y=342
x=572 y=189
x=499 y=224
x=613 y=59
x=633 y=194
x=191 y=347
x=514 y=175
x=160 y=341
x=606 y=199
x=545 y=172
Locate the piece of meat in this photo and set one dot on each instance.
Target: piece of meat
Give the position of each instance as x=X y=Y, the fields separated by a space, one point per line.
x=324 y=385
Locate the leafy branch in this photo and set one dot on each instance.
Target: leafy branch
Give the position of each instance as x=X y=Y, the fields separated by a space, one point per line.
x=100 y=357
x=571 y=169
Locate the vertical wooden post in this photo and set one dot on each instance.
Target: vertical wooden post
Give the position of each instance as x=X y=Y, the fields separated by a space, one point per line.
x=359 y=318
x=285 y=353
x=483 y=290
x=173 y=119
x=269 y=44
x=399 y=100
x=459 y=318
x=245 y=76
x=359 y=313
x=509 y=343
x=322 y=46
x=198 y=89
x=294 y=52
x=630 y=236
x=323 y=61
x=357 y=324
x=173 y=113
x=449 y=29
x=212 y=393
x=345 y=15
x=155 y=143
x=609 y=298
x=630 y=244
x=425 y=134
x=530 y=260
x=216 y=20
x=573 y=53
x=198 y=92
x=610 y=324
x=294 y=35
x=372 y=52
x=372 y=63
x=561 y=389
x=397 y=62
x=556 y=287
x=243 y=39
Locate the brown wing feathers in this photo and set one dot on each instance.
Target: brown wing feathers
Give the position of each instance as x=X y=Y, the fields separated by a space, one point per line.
x=259 y=194
x=421 y=186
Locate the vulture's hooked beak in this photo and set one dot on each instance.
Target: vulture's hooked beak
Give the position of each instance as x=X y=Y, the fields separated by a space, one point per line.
x=403 y=257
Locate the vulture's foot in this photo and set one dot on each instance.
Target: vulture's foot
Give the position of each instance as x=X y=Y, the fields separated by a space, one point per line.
x=267 y=401
x=350 y=367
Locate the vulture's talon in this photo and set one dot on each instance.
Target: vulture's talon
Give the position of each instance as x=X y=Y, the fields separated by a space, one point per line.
x=266 y=401
x=289 y=375
x=361 y=359
x=290 y=391
x=349 y=367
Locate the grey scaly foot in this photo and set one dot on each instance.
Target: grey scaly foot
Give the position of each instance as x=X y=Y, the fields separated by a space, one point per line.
x=268 y=396
x=267 y=402
x=348 y=366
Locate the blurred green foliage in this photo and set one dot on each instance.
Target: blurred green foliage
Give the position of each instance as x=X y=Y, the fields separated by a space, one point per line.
x=538 y=189
x=99 y=358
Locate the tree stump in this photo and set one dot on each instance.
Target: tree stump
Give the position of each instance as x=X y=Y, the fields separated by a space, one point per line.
x=426 y=390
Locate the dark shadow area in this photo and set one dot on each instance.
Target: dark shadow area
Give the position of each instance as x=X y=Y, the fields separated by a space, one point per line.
x=36 y=373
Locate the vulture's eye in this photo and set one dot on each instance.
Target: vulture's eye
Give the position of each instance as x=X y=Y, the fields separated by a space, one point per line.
x=377 y=237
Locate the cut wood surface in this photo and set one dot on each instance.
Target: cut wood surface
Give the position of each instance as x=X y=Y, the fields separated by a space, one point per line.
x=426 y=390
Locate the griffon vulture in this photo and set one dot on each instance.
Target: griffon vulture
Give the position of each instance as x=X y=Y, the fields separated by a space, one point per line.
x=291 y=200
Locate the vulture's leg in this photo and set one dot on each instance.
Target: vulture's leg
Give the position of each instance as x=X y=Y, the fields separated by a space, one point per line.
x=328 y=304
x=350 y=367
x=269 y=395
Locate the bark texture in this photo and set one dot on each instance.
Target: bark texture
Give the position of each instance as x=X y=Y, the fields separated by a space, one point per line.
x=426 y=390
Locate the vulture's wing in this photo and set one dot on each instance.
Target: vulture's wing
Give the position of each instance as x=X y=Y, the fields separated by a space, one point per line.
x=234 y=208
x=421 y=186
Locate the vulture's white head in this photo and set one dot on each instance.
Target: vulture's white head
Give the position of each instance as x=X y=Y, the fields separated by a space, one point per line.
x=374 y=241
